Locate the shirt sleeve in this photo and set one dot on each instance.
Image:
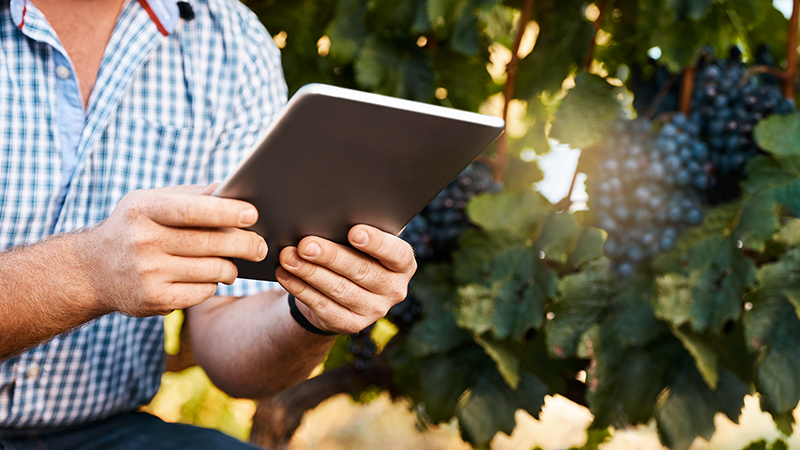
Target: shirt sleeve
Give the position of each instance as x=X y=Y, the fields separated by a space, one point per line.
x=262 y=93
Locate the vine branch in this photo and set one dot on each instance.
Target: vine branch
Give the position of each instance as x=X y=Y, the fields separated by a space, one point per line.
x=687 y=89
x=598 y=24
x=791 y=52
x=662 y=94
x=566 y=202
x=499 y=162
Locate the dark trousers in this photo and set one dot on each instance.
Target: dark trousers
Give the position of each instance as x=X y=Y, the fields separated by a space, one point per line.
x=131 y=431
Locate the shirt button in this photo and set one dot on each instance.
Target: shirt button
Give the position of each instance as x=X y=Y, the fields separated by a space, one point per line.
x=63 y=72
x=33 y=371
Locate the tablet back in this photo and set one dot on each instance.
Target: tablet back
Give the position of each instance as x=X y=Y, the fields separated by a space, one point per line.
x=337 y=158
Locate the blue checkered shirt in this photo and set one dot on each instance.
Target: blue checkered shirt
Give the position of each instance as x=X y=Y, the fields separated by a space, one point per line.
x=175 y=102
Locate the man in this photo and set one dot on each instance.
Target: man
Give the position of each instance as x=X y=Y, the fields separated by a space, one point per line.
x=105 y=104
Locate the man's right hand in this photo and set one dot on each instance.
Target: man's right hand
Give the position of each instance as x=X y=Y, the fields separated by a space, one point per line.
x=166 y=249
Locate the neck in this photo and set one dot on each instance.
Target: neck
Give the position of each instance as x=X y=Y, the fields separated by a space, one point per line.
x=84 y=28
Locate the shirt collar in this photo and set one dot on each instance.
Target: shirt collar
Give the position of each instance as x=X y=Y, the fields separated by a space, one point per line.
x=163 y=13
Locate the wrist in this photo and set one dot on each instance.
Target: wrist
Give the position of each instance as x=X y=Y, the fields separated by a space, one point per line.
x=300 y=313
x=88 y=254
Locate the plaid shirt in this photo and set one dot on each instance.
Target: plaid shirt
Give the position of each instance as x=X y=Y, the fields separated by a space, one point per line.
x=175 y=102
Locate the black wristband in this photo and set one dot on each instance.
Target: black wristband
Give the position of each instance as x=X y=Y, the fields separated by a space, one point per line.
x=302 y=321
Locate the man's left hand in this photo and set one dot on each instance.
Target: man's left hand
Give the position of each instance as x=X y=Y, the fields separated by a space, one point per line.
x=343 y=290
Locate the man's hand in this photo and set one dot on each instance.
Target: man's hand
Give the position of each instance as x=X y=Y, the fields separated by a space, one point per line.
x=344 y=290
x=166 y=249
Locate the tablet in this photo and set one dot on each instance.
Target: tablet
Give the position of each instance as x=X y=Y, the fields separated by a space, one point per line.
x=335 y=158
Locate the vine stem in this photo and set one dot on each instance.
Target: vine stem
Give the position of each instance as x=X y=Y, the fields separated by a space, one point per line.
x=593 y=43
x=499 y=161
x=687 y=89
x=791 y=52
x=566 y=202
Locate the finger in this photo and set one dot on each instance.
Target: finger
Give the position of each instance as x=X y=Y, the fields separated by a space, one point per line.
x=187 y=210
x=186 y=295
x=357 y=266
x=208 y=190
x=222 y=242
x=334 y=286
x=327 y=314
x=392 y=252
x=200 y=270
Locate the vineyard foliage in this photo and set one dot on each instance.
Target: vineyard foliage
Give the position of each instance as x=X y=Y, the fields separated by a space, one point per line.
x=527 y=305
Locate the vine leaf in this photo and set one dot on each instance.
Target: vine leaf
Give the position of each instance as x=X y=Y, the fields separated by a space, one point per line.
x=704 y=356
x=437 y=332
x=491 y=405
x=558 y=236
x=507 y=362
x=582 y=300
x=780 y=136
x=758 y=221
x=511 y=299
x=347 y=31
x=772 y=329
x=687 y=409
x=507 y=213
x=709 y=290
x=587 y=113
x=589 y=247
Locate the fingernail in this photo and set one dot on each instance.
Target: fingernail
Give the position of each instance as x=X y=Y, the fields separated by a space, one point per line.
x=312 y=250
x=361 y=237
x=248 y=217
x=294 y=261
x=262 y=251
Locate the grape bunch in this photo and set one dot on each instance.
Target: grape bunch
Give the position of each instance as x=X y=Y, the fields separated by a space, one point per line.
x=363 y=348
x=649 y=189
x=434 y=232
x=728 y=102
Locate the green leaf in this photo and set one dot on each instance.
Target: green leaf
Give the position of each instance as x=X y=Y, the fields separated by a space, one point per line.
x=758 y=221
x=589 y=247
x=582 y=300
x=587 y=113
x=558 y=236
x=787 y=194
x=560 y=48
x=772 y=329
x=491 y=405
x=686 y=410
x=346 y=31
x=465 y=33
x=511 y=301
x=720 y=220
x=437 y=332
x=625 y=382
x=445 y=378
x=338 y=355
x=507 y=362
x=508 y=214
x=704 y=356
x=521 y=175
x=789 y=233
x=764 y=171
x=780 y=136
x=710 y=290
x=758 y=445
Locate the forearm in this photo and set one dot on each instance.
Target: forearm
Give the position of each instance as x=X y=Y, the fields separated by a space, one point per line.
x=251 y=346
x=45 y=290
